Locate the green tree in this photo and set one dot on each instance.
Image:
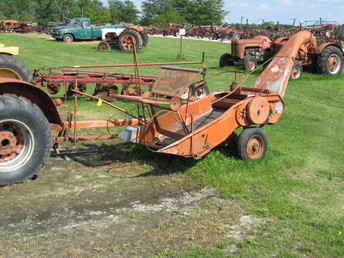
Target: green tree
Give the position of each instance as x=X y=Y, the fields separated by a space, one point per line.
x=123 y=11
x=154 y=8
x=92 y=9
x=205 y=12
x=169 y=16
x=200 y=12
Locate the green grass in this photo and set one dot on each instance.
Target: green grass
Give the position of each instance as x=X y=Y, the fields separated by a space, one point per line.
x=299 y=184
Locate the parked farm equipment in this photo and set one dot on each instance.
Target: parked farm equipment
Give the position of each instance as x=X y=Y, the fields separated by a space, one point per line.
x=175 y=116
x=108 y=84
x=125 y=39
x=120 y=36
x=325 y=55
x=19 y=26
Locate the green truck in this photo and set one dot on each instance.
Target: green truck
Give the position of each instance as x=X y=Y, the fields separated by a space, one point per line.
x=116 y=34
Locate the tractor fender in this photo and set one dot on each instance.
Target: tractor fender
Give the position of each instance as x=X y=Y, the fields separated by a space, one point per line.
x=139 y=29
x=13 y=51
x=34 y=94
x=322 y=46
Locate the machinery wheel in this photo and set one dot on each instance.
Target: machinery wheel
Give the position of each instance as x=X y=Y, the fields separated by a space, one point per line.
x=226 y=60
x=252 y=144
x=296 y=73
x=130 y=38
x=25 y=139
x=11 y=67
x=68 y=38
x=104 y=46
x=331 y=61
x=250 y=63
x=201 y=92
x=236 y=36
x=145 y=38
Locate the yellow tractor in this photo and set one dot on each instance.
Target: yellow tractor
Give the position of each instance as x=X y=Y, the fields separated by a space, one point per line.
x=12 y=67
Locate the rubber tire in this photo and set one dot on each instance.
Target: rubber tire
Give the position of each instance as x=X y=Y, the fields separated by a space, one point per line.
x=139 y=40
x=323 y=58
x=23 y=110
x=145 y=38
x=300 y=67
x=244 y=137
x=15 y=64
x=68 y=38
x=249 y=59
x=104 y=43
x=205 y=88
x=226 y=60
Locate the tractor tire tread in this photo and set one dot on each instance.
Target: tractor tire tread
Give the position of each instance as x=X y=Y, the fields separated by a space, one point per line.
x=15 y=64
x=16 y=104
x=322 y=59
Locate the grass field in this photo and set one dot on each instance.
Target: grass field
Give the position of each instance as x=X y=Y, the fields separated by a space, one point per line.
x=298 y=188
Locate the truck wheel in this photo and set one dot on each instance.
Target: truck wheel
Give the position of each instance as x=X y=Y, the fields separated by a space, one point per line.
x=68 y=38
x=11 y=67
x=250 y=63
x=296 y=72
x=25 y=139
x=128 y=39
x=104 y=46
x=330 y=61
x=252 y=144
x=226 y=60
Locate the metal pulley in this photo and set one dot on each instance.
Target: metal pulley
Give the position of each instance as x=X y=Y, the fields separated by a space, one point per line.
x=258 y=110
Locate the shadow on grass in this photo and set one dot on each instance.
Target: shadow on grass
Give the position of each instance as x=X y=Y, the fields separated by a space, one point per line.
x=95 y=155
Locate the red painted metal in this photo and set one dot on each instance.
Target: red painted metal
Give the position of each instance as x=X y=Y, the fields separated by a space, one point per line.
x=56 y=77
x=116 y=65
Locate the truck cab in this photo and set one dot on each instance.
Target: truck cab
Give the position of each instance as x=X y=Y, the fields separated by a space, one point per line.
x=80 y=29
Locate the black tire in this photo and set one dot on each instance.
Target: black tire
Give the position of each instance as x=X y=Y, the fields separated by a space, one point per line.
x=236 y=36
x=104 y=46
x=12 y=67
x=145 y=38
x=68 y=38
x=297 y=71
x=250 y=63
x=252 y=144
x=124 y=45
x=226 y=60
x=201 y=92
x=325 y=67
x=25 y=122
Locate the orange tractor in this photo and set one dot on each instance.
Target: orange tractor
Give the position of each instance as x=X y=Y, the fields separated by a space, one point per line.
x=325 y=55
x=176 y=116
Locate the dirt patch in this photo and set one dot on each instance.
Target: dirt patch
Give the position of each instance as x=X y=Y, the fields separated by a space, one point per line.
x=38 y=35
x=49 y=37
x=108 y=204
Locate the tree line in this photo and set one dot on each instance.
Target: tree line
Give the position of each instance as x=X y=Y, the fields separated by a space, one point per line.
x=198 y=12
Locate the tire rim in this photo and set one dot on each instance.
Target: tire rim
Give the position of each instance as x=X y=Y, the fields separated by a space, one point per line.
x=250 y=66
x=334 y=63
x=296 y=73
x=68 y=39
x=103 y=47
x=16 y=145
x=9 y=73
x=255 y=147
x=128 y=42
